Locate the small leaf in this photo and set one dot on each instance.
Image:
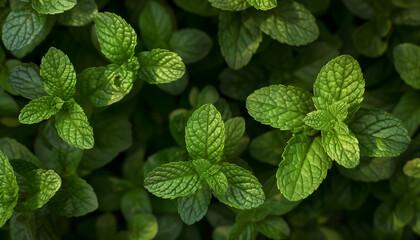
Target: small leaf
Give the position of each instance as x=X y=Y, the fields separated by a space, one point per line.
x=244 y=190
x=205 y=134
x=160 y=66
x=234 y=131
x=73 y=127
x=217 y=181
x=9 y=190
x=320 y=120
x=80 y=15
x=305 y=165
x=192 y=208
x=407 y=63
x=191 y=45
x=230 y=5
x=53 y=6
x=116 y=37
x=40 y=109
x=280 y=106
x=134 y=202
x=172 y=180
x=263 y=4
x=412 y=168
x=143 y=226
x=42 y=184
x=58 y=74
x=274 y=228
x=25 y=79
x=243 y=231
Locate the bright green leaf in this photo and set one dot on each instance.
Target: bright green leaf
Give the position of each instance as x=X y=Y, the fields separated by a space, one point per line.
x=320 y=120
x=9 y=190
x=42 y=184
x=263 y=4
x=230 y=5
x=217 y=181
x=40 y=109
x=53 y=6
x=412 y=168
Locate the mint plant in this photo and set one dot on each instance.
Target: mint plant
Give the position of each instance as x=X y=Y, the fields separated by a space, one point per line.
x=346 y=132
x=208 y=140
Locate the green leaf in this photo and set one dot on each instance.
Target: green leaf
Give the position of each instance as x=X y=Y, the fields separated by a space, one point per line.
x=205 y=134
x=263 y=4
x=73 y=127
x=172 y=180
x=368 y=40
x=116 y=37
x=143 y=226
x=160 y=66
x=290 y=23
x=15 y=150
x=243 y=231
x=192 y=208
x=407 y=63
x=80 y=15
x=134 y=202
x=40 y=109
x=339 y=110
x=320 y=120
x=406 y=3
x=268 y=147
x=216 y=180
x=239 y=38
x=340 y=80
x=305 y=165
x=234 y=131
x=58 y=74
x=106 y=226
x=244 y=190
x=230 y=5
x=412 y=168
x=408 y=111
x=9 y=189
x=385 y=219
x=280 y=106
x=21 y=28
x=200 y=7
x=274 y=228
x=364 y=9
x=53 y=6
x=42 y=184
x=75 y=198
x=380 y=134
x=408 y=16
x=25 y=79
x=156 y=25
x=23 y=226
x=341 y=145
x=370 y=170
x=191 y=45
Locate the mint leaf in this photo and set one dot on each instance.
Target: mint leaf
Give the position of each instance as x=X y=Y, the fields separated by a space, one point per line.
x=216 y=180
x=239 y=38
x=25 y=79
x=339 y=110
x=200 y=7
x=305 y=165
x=280 y=106
x=192 y=208
x=368 y=40
x=408 y=111
x=58 y=74
x=340 y=80
x=408 y=16
x=21 y=28
x=160 y=66
x=23 y=226
x=15 y=150
x=244 y=190
x=361 y=8
x=42 y=184
x=407 y=63
x=289 y=23
x=205 y=134
x=134 y=202
x=341 y=145
x=116 y=37
x=274 y=228
x=370 y=170
x=75 y=198
x=263 y=4
x=230 y=5
x=156 y=25
x=191 y=45
x=9 y=188
x=172 y=180
x=73 y=127
x=40 y=109
x=380 y=134
x=412 y=168
x=243 y=231
x=268 y=147
x=80 y=15
x=320 y=120
x=234 y=131
x=143 y=226
x=53 y=6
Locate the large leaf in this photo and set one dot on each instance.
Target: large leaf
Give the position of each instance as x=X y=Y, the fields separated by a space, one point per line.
x=42 y=185
x=25 y=79
x=9 y=189
x=40 y=109
x=53 y=6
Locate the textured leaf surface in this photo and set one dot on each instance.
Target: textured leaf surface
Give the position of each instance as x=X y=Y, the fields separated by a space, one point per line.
x=380 y=134
x=205 y=134
x=58 y=74
x=40 y=109
x=412 y=168
x=230 y=5
x=43 y=184
x=73 y=127
x=75 y=198
x=244 y=190
x=289 y=23
x=53 y=6
x=193 y=208
x=217 y=182
x=9 y=189
x=342 y=146
x=305 y=165
x=25 y=79
x=407 y=63
x=116 y=37
x=160 y=66
x=239 y=38
x=191 y=44
x=172 y=180
x=340 y=80
x=320 y=120
x=234 y=131
x=263 y=4
x=280 y=106
x=21 y=28
x=274 y=228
